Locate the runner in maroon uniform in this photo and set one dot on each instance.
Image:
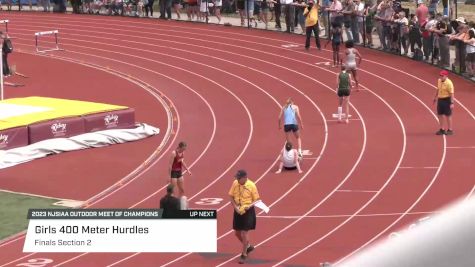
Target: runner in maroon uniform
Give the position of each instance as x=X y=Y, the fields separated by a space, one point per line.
x=177 y=163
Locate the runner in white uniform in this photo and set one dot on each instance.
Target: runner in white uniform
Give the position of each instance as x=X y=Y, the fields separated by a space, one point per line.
x=289 y=159
x=351 y=65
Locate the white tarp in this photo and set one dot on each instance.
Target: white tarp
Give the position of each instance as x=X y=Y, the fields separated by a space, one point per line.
x=445 y=240
x=44 y=148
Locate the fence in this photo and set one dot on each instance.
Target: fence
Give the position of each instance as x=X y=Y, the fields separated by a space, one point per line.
x=365 y=26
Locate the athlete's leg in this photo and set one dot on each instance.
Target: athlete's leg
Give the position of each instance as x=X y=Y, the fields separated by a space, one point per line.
x=340 y=108
x=347 y=107
x=181 y=186
x=354 y=72
x=299 y=141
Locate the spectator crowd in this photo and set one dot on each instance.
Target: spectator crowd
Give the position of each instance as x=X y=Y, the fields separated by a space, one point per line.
x=423 y=33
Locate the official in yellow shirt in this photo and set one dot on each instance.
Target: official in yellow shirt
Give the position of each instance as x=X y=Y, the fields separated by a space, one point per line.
x=243 y=194
x=311 y=23
x=444 y=97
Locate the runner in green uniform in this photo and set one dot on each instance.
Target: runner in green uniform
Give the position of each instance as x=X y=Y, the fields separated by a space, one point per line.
x=345 y=84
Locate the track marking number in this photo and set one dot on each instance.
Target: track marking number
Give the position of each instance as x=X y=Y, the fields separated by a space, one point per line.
x=209 y=201
x=39 y=262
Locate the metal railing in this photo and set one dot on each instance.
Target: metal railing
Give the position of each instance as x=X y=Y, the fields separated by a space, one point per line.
x=389 y=35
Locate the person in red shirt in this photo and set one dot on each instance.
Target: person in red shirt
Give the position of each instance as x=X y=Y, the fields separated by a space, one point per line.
x=177 y=164
x=421 y=12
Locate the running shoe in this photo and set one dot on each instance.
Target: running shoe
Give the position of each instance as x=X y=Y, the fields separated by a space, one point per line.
x=242 y=259
x=249 y=249
x=440 y=132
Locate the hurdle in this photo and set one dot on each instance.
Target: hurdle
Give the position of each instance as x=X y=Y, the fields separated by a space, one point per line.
x=39 y=34
x=343 y=115
x=5 y=21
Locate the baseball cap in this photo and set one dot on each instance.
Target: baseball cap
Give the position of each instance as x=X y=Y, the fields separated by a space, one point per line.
x=241 y=174
x=461 y=20
x=444 y=73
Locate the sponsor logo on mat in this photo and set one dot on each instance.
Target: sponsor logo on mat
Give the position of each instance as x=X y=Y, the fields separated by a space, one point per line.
x=111 y=120
x=3 y=140
x=58 y=129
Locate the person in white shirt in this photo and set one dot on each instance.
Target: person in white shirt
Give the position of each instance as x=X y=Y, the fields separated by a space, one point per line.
x=470 y=49
x=404 y=31
x=289 y=12
x=358 y=27
x=335 y=15
x=289 y=159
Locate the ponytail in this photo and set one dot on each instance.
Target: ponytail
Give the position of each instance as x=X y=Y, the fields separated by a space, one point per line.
x=289 y=102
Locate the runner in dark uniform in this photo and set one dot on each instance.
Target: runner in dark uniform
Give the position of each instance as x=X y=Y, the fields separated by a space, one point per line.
x=343 y=92
x=336 y=39
x=177 y=164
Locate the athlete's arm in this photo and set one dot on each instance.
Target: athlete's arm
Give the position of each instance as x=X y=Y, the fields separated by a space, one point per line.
x=297 y=112
x=172 y=158
x=280 y=118
x=186 y=167
x=337 y=81
x=359 y=57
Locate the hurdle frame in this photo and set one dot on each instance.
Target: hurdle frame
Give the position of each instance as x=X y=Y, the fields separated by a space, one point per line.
x=38 y=34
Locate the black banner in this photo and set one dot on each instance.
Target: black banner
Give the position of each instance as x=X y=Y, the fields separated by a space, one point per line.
x=119 y=214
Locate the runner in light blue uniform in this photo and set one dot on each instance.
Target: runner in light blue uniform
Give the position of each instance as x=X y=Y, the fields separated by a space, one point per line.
x=289 y=117
x=292 y=120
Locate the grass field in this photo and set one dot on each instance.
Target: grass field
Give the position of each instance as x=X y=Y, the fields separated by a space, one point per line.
x=14 y=209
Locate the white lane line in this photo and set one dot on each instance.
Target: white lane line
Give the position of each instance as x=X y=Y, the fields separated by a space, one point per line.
x=357 y=191
x=426 y=167
x=345 y=215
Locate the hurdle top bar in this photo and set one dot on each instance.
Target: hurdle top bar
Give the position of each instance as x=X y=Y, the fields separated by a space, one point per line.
x=45 y=33
x=4 y=21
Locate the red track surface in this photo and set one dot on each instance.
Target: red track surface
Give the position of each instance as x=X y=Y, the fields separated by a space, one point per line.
x=365 y=180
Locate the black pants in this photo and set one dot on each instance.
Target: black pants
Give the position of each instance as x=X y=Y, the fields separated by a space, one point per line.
x=296 y=16
x=6 y=68
x=76 y=6
x=414 y=41
x=278 y=12
x=149 y=7
x=316 y=31
x=289 y=17
x=165 y=7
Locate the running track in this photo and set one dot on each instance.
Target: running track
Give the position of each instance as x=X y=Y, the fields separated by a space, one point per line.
x=219 y=89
